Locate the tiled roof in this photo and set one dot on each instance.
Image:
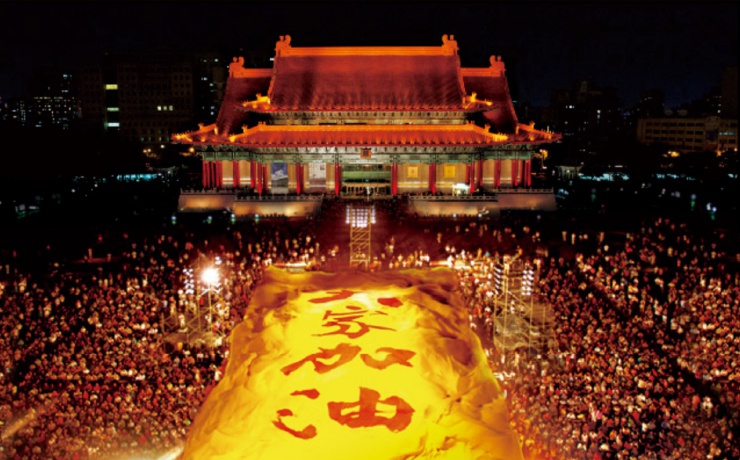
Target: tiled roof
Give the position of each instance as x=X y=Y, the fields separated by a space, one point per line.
x=413 y=79
x=262 y=136
x=238 y=89
x=490 y=84
x=399 y=82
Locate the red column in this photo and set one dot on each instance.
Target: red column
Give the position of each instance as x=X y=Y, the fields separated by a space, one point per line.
x=434 y=177
x=480 y=173
x=298 y=178
x=431 y=177
x=337 y=178
x=467 y=173
x=258 y=177
x=265 y=178
x=261 y=178
x=471 y=168
x=522 y=171
x=235 y=175
x=218 y=178
x=394 y=178
x=515 y=173
x=497 y=173
x=252 y=174
x=205 y=173
x=212 y=179
x=528 y=173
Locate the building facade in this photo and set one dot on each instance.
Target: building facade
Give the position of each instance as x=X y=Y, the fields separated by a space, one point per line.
x=689 y=134
x=147 y=97
x=366 y=120
x=52 y=103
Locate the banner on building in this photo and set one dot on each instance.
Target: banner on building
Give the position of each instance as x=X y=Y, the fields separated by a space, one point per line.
x=279 y=176
x=316 y=177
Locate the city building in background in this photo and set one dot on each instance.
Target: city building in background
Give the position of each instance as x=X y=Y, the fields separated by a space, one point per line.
x=708 y=124
x=15 y=111
x=586 y=111
x=377 y=120
x=52 y=102
x=590 y=118
x=689 y=134
x=147 y=97
x=728 y=90
x=210 y=74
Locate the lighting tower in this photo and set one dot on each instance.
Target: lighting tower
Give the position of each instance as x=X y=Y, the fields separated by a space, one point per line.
x=207 y=313
x=513 y=283
x=360 y=218
x=216 y=311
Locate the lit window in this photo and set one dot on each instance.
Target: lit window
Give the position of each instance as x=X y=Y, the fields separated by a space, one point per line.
x=112 y=109
x=171 y=109
x=111 y=86
x=159 y=108
x=114 y=124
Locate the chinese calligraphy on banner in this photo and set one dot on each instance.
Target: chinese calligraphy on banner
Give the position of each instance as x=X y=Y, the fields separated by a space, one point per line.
x=354 y=366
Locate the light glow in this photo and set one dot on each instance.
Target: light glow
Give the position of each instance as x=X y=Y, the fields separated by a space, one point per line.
x=210 y=276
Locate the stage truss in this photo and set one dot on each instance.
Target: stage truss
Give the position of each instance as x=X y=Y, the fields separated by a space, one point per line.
x=518 y=321
x=360 y=218
x=200 y=315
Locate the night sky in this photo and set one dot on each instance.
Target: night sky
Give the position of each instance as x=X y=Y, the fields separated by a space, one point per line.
x=680 y=48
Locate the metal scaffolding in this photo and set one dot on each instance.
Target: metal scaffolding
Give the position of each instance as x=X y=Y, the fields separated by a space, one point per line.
x=360 y=218
x=518 y=322
x=201 y=313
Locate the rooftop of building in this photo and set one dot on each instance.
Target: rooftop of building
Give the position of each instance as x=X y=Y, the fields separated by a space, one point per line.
x=409 y=82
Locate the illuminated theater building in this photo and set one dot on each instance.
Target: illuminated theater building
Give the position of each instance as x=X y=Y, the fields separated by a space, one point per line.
x=379 y=120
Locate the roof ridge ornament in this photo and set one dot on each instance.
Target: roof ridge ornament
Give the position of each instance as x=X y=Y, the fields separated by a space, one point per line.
x=282 y=44
x=450 y=44
x=236 y=68
x=261 y=102
x=497 y=66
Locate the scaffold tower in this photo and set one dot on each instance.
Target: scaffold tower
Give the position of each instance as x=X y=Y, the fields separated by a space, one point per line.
x=199 y=316
x=360 y=218
x=518 y=321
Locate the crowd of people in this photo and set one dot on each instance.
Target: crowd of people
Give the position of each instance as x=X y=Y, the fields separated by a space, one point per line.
x=642 y=361
x=88 y=371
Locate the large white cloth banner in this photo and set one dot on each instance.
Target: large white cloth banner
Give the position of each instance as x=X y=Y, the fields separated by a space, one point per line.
x=355 y=365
